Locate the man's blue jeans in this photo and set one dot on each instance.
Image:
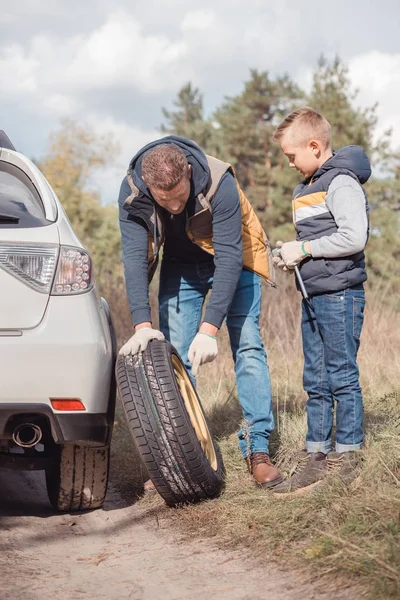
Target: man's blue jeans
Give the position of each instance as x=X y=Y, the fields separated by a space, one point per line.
x=183 y=289
x=331 y=328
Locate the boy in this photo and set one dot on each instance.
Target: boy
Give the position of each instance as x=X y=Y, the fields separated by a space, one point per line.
x=330 y=213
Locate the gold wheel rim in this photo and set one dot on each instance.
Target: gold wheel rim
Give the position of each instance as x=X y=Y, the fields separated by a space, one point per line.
x=195 y=411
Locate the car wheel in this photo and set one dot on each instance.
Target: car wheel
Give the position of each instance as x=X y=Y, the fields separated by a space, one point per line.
x=78 y=479
x=168 y=425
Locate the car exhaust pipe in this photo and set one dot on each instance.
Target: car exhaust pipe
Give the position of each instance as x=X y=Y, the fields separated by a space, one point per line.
x=27 y=435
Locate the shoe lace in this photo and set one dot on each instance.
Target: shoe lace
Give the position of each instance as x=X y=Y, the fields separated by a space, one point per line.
x=301 y=464
x=259 y=458
x=335 y=463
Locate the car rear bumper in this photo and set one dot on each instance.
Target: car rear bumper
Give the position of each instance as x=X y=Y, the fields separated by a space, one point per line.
x=68 y=355
x=89 y=429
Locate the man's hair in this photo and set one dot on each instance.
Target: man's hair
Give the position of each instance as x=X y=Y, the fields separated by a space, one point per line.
x=304 y=124
x=164 y=166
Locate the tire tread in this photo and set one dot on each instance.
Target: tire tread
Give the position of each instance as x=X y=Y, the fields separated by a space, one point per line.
x=161 y=427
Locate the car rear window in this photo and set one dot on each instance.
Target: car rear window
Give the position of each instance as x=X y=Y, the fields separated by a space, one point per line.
x=20 y=202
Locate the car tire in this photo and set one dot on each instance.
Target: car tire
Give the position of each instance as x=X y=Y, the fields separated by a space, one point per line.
x=168 y=425
x=78 y=479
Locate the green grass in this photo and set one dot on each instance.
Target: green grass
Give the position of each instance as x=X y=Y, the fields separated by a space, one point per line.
x=341 y=531
x=347 y=534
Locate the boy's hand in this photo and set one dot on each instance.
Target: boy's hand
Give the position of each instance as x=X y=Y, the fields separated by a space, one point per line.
x=293 y=253
x=277 y=258
x=279 y=263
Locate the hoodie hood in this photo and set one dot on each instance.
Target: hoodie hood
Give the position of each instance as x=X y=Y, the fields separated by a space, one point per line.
x=350 y=158
x=195 y=157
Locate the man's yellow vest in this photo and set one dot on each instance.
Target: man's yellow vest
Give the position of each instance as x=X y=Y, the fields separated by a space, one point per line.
x=257 y=255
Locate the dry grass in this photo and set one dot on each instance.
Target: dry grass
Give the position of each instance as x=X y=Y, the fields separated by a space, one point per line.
x=338 y=530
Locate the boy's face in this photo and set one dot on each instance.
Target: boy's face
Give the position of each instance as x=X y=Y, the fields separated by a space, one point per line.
x=305 y=158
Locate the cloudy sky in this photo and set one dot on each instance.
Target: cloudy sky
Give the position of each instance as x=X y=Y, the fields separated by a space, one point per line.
x=115 y=64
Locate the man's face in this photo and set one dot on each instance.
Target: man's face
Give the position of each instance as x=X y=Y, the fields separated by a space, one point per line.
x=174 y=201
x=304 y=158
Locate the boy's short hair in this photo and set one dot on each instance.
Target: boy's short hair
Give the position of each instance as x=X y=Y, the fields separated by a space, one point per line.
x=164 y=166
x=305 y=124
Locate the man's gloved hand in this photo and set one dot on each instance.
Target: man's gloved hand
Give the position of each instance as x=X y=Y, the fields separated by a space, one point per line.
x=292 y=254
x=138 y=342
x=203 y=349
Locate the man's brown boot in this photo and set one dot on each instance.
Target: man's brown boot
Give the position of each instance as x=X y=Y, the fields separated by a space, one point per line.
x=264 y=473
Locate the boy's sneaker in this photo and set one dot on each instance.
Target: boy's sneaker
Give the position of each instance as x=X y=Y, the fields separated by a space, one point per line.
x=311 y=468
x=343 y=464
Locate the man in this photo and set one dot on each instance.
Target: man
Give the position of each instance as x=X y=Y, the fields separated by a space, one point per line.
x=177 y=196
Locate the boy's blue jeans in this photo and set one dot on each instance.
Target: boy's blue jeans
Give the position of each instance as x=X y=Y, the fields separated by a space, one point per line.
x=331 y=328
x=183 y=289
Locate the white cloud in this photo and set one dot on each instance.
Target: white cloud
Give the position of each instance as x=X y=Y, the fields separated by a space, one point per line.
x=200 y=20
x=17 y=70
x=116 y=55
x=119 y=54
x=115 y=65
x=212 y=47
x=61 y=105
x=377 y=76
x=129 y=139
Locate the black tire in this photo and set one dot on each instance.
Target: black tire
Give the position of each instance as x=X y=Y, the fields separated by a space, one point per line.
x=182 y=470
x=78 y=479
x=113 y=384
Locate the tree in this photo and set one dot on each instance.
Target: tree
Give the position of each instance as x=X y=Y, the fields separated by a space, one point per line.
x=247 y=123
x=75 y=154
x=332 y=94
x=241 y=134
x=188 y=120
x=383 y=250
x=334 y=97
x=246 y=126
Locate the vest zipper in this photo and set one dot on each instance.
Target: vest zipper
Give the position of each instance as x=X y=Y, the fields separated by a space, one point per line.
x=155 y=249
x=191 y=236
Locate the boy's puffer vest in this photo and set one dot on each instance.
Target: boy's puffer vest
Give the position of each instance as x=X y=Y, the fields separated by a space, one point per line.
x=312 y=220
x=256 y=247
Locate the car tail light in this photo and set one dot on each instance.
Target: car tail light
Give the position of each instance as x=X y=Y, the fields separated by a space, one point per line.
x=74 y=272
x=67 y=404
x=34 y=265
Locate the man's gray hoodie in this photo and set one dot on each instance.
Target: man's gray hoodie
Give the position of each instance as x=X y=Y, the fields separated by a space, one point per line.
x=135 y=223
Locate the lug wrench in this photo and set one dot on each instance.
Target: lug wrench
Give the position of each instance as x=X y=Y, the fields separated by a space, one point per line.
x=277 y=252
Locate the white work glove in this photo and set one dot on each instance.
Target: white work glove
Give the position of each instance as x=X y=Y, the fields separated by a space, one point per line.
x=277 y=258
x=138 y=342
x=203 y=349
x=292 y=254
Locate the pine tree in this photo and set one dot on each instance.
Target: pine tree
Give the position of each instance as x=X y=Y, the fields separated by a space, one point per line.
x=247 y=123
x=188 y=120
x=240 y=132
x=333 y=95
x=383 y=250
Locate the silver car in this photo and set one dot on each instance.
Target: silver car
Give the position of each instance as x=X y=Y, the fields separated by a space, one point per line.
x=57 y=347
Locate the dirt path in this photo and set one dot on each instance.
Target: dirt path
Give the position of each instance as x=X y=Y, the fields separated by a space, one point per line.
x=121 y=552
